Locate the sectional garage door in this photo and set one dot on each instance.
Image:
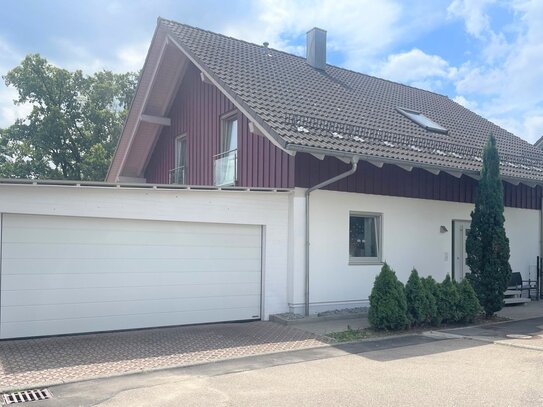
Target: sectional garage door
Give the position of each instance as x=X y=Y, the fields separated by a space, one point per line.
x=64 y=275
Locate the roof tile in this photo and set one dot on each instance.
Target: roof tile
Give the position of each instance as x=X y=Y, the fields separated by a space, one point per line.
x=346 y=112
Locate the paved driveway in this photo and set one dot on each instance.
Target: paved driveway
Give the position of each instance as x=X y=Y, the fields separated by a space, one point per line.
x=526 y=333
x=33 y=362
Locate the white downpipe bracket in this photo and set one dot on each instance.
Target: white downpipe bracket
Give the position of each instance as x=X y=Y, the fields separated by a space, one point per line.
x=354 y=166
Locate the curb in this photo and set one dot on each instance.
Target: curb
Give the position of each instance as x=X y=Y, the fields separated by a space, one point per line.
x=492 y=340
x=315 y=318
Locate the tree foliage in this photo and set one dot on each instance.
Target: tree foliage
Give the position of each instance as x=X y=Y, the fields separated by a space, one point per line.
x=487 y=245
x=418 y=303
x=449 y=301
x=74 y=125
x=469 y=306
x=388 y=306
x=431 y=290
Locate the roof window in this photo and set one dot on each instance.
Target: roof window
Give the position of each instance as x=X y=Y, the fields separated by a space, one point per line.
x=422 y=120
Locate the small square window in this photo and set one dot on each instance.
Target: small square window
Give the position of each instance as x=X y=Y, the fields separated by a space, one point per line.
x=364 y=238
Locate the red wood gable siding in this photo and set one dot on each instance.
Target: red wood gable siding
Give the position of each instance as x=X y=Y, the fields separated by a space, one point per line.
x=394 y=181
x=196 y=112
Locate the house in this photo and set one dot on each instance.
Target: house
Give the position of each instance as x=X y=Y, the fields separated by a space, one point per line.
x=247 y=182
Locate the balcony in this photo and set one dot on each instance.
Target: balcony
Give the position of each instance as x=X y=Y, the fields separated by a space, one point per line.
x=177 y=176
x=225 y=168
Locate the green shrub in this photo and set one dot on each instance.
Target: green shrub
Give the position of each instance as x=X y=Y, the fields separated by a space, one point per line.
x=448 y=301
x=469 y=306
x=388 y=307
x=418 y=307
x=431 y=290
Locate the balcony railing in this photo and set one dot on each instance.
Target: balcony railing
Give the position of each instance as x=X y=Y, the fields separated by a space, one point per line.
x=177 y=176
x=225 y=168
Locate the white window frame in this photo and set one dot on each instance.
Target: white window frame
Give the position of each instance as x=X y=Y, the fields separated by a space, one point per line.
x=225 y=119
x=178 y=140
x=227 y=157
x=379 y=238
x=422 y=120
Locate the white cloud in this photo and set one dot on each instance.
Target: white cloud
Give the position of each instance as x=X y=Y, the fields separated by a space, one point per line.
x=9 y=112
x=468 y=104
x=75 y=56
x=361 y=30
x=506 y=78
x=128 y=57
x=131 y=57
x=417 y=68
x=533 y=123
x=473 y=13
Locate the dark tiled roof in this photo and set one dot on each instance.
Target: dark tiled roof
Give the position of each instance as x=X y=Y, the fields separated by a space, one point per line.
x=348 y=113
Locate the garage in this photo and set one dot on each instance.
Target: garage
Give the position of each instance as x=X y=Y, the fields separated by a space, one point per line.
x=74 y=274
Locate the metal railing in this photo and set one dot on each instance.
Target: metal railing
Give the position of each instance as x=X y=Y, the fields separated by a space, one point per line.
x=225 y=168
x=177 y=176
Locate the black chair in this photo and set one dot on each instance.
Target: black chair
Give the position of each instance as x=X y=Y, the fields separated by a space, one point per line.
x=516 y=283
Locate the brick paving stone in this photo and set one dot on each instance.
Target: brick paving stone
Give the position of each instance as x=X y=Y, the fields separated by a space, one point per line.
x=30 y=362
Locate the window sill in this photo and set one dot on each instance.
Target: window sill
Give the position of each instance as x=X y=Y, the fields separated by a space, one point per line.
x=365 y=262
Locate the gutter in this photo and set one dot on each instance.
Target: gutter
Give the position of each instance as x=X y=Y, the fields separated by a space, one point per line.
x=354 y=166
x=475 y=174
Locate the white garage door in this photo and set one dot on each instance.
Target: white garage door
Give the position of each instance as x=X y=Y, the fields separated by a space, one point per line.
x=65 y=274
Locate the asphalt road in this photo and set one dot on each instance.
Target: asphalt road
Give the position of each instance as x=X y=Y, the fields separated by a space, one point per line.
x=412 y=370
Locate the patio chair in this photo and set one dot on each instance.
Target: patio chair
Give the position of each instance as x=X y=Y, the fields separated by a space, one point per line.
x=518 y=284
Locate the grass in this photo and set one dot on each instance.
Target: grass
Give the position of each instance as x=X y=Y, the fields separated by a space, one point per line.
x=358 y=334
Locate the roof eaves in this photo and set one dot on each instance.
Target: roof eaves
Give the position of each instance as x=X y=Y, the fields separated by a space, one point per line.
x=132 y=101
x=402 y=163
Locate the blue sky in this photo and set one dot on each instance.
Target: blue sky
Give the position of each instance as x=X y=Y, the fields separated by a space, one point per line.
x=485 y=54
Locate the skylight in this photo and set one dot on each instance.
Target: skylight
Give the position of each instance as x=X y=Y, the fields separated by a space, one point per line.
x=422 y=120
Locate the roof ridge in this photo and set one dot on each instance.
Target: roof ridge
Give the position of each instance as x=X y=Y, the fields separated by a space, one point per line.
x=159 y=19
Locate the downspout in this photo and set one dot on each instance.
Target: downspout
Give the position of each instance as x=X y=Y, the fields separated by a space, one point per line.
x=354 y=165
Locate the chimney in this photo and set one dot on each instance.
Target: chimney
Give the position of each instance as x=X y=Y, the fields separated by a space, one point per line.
x=316 y=48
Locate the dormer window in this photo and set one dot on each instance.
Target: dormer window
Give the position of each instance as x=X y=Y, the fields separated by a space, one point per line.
x=422 y=120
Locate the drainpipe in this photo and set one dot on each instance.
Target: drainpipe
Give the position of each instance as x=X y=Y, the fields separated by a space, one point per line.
x=354 y=165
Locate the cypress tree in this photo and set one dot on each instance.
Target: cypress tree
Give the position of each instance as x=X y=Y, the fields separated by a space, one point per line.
x=487 y=245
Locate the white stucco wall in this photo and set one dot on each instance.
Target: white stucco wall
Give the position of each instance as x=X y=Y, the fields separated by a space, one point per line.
x=269 y=209
x=411 y=238
x=411 y=232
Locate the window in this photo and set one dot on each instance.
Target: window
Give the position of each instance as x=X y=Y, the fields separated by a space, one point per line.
x=422 y=120
x=364 y=238
x=225 y=163
x=178 y=173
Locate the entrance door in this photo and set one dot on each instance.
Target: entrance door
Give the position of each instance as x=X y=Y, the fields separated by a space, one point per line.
x=460 y=268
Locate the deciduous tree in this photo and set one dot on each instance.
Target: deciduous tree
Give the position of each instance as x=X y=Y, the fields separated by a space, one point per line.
x=74 y=125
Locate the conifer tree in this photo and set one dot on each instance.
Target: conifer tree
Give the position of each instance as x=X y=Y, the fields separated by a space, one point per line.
x=418 y=307
x=487 y=245
x=388 y=307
